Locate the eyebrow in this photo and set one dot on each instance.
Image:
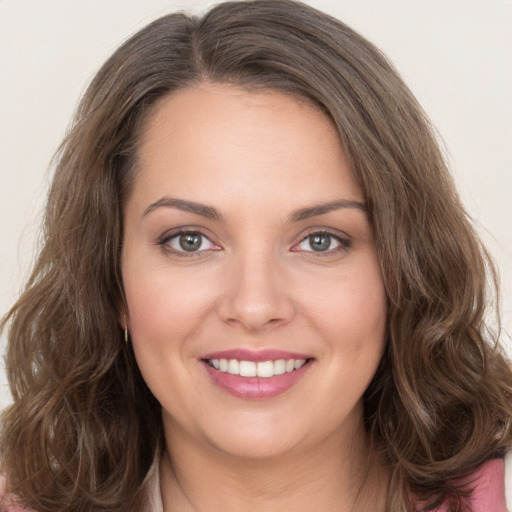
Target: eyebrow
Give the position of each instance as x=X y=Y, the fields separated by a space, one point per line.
x=212 y=213
x=187 y=206
x=321 y=209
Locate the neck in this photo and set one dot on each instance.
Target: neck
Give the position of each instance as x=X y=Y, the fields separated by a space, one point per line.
x=333 y=477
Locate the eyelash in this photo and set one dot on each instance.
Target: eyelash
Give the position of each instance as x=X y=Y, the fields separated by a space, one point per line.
x=344 y=243
x=168 y=237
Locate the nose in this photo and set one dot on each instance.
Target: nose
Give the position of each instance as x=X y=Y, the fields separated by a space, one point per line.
x=256 y=296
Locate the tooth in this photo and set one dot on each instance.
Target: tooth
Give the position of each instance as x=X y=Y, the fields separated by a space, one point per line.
x=279 y=367
x=247 y=368
x=290 y=365
x=265 y=369
x=233 y=367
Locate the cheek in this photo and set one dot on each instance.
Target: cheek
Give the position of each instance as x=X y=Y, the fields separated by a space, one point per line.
x=165 y=313
x=351 y=315
x=164 y=304
x=355 y=332
x=352 y=305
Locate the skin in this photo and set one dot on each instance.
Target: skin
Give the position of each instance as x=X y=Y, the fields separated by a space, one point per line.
x=256 y=282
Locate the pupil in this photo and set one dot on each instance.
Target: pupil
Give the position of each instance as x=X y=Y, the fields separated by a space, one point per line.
x=190 y=241
x=320 y=242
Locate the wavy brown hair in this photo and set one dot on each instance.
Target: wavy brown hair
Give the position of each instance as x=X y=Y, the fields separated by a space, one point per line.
x=83 y=427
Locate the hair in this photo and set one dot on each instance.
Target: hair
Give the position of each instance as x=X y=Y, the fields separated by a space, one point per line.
x=83 y=427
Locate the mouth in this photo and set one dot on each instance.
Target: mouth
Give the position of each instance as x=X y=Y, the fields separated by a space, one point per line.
x=262 y=369
x=256 y=375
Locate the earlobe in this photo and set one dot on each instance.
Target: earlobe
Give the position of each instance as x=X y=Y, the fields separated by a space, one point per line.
x=122 y=309
x=123 y=323
x=122 y=317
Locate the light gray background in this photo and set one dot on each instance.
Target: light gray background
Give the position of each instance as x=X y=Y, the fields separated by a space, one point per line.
x=456 y=55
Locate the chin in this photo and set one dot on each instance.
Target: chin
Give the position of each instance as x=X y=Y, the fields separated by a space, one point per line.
x=255 y=445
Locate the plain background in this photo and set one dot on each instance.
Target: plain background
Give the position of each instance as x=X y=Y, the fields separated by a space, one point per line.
x=456 y=55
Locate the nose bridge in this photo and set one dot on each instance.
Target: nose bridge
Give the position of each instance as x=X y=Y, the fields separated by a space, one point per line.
x=256 y=295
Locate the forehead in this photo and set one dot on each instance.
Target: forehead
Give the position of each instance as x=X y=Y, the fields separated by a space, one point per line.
x=221 y=139
x=232 y=111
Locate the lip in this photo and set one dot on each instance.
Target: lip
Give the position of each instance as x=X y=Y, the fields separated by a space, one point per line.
x=258 y=356
x=256 y=388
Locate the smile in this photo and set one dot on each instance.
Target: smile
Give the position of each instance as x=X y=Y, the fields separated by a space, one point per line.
x=256 y=375
x=263 y=369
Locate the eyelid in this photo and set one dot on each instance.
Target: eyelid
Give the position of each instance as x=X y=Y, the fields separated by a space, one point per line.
x=163 y=240
x=343 y=238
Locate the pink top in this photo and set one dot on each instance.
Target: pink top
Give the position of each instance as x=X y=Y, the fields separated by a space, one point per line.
x=489 y=488
x=488 y=495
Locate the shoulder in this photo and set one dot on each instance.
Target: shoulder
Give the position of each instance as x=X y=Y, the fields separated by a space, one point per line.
x=490 y=492
x=489 y=487
x=508 y=480
x=491 y=484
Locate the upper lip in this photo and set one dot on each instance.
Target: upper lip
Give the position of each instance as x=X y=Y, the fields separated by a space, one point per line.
x=243 y=354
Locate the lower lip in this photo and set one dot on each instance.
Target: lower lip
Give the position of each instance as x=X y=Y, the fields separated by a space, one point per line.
x=256 y=387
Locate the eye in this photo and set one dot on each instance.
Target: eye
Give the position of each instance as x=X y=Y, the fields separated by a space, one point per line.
x=322 y=241
x=188 y=242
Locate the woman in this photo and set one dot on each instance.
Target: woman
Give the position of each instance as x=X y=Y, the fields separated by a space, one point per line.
x=258 y=288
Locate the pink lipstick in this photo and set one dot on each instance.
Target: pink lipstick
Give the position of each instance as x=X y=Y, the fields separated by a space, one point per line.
x=256 y=374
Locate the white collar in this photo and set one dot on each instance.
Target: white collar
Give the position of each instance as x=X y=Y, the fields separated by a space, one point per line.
x=152 y=492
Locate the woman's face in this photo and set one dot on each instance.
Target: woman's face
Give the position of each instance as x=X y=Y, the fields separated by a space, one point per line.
x=256 y=305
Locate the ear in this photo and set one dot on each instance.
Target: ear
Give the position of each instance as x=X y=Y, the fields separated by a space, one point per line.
x=122 y=307
x=122 y=319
